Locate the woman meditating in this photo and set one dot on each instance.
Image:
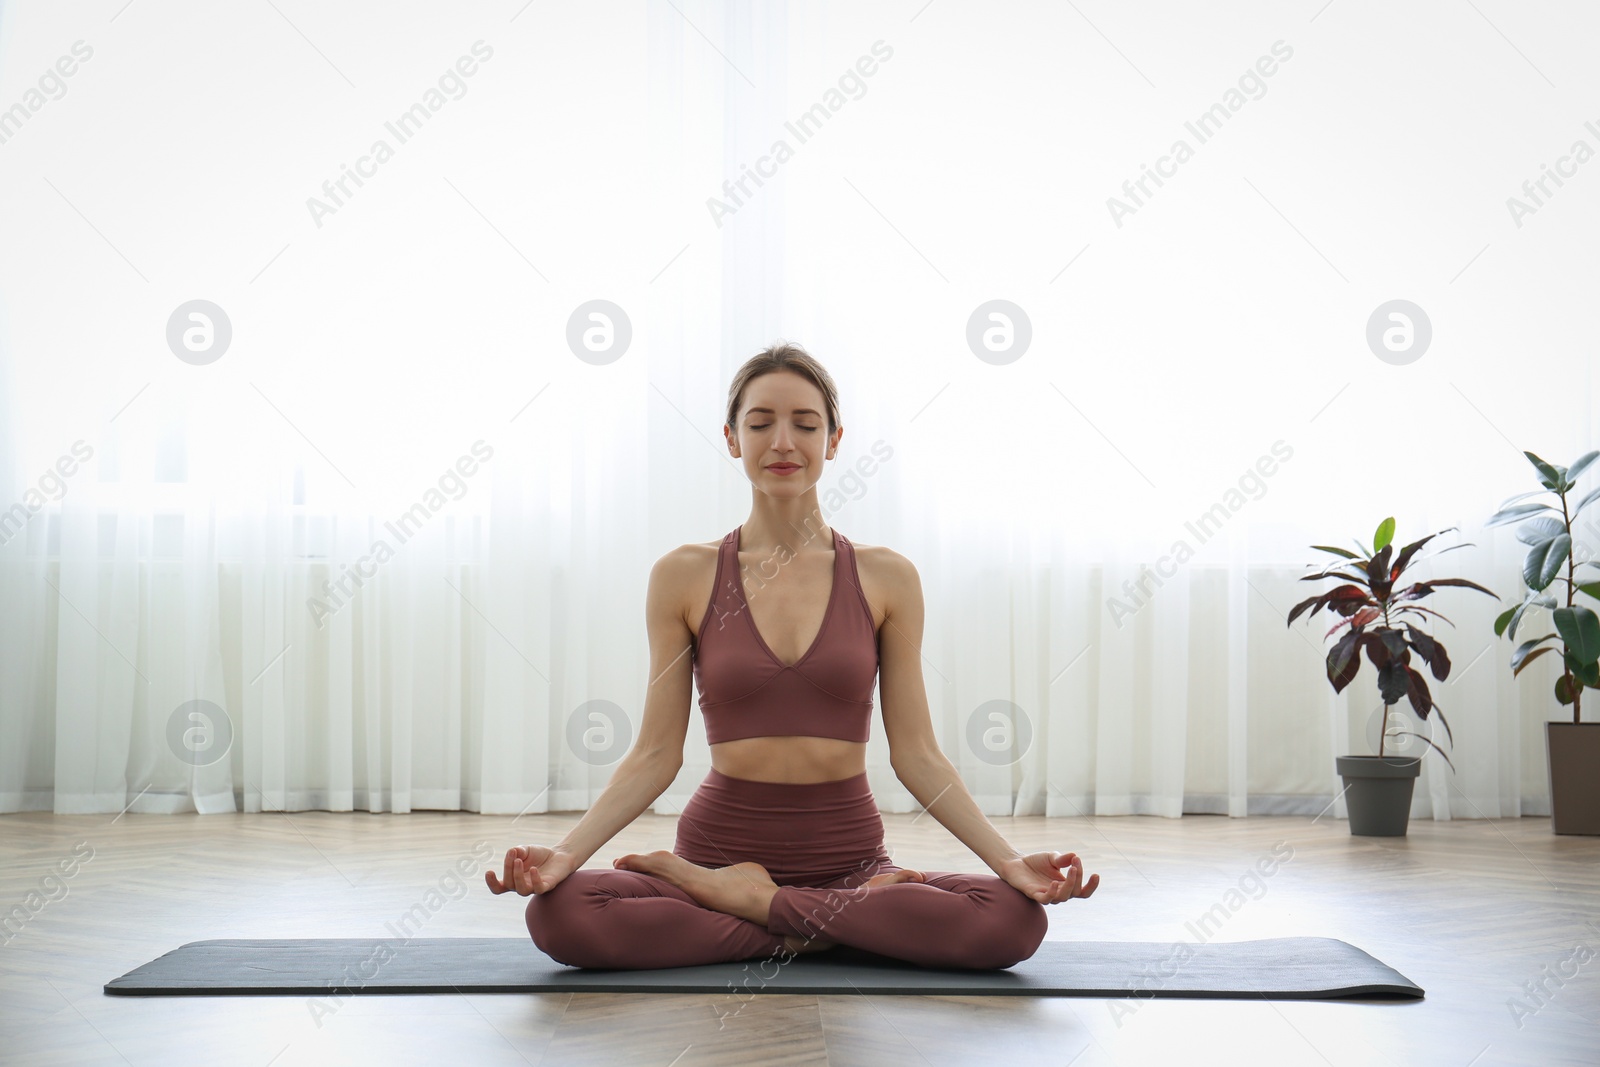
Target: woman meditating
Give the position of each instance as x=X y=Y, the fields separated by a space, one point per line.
x=780 y=848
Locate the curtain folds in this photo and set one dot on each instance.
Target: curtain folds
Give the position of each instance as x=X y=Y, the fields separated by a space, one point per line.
x=390 y=553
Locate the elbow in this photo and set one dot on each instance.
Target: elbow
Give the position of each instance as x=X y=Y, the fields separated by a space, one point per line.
x=660 y=763
x=914 y=764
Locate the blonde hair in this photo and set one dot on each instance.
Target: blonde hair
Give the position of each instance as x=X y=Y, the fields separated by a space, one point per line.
x=779 y=357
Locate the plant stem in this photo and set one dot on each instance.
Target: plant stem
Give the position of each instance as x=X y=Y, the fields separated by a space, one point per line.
x=1383 y=731
x=1574 y=686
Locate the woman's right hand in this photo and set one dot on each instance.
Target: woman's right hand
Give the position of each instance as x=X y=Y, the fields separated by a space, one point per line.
x=531 y=869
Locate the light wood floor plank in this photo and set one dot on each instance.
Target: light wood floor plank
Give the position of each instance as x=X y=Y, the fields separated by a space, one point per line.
x=1471 y=910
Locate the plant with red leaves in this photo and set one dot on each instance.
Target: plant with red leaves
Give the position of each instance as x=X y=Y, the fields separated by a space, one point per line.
x=1369 y=595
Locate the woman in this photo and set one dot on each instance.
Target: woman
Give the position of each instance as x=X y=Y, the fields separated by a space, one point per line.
x=780 y=849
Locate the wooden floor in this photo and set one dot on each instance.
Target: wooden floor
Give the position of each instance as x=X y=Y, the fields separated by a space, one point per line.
x=1469 y=910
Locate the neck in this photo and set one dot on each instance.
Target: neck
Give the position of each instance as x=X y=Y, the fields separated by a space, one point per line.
x=791 y=536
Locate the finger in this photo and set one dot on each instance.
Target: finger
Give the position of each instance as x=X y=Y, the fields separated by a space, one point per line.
x=1062 y=866
x=511 y=854
x=488 y=876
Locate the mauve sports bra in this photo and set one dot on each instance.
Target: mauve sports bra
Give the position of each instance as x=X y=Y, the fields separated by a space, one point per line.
x=746 y=691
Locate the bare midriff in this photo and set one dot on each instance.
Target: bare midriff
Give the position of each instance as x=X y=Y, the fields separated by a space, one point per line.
x=790 y=758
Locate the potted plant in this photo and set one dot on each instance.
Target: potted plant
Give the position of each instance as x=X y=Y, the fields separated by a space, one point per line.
x=1378 y=788
x=1572 y=749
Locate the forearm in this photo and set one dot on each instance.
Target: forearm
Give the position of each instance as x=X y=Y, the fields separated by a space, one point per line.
x=937 y=785
x=638 y=781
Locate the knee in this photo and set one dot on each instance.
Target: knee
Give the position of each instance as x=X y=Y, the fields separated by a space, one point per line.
x=1013 y=930
x=545 y=925
x=555 y=921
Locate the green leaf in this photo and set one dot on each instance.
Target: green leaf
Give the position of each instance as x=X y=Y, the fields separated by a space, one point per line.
x=1384 y=534
x=1520 y=511
x=1544 y=561
x=1585 y=673
x=1580 y=465
x=1502 y=620
x=1533 y=600
x=1594 y=494
x=1345 y=552
x=1564 y=689
x=1537 y=653
x=1549 y=475
x=1592 y=588
x=1523 y=649
x=1537 y=531
x=1580 y=632
x=1508 y=501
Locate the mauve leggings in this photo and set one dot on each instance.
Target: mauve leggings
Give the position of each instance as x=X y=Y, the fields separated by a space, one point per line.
x=820 y=841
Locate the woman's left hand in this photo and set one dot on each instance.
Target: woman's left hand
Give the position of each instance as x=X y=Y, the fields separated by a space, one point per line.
x=1049 y=877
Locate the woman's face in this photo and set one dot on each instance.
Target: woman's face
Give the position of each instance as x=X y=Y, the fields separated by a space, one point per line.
x=783 y=420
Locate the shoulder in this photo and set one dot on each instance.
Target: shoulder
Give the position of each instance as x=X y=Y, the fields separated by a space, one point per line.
x=883 y=561
x=891 y=574
x=685 y=564
x=683 y=579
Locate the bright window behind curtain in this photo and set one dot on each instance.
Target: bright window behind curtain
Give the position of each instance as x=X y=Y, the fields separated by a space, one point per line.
x=1109 y=523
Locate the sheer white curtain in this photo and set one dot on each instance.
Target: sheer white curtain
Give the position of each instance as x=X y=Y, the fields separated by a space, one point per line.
x=396 y=538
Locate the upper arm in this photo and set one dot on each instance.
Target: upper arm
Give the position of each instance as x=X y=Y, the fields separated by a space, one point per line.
x=667 y=694
x=906 y=721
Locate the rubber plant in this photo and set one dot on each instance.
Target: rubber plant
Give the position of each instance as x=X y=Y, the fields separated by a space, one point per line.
x=1376 y=612
x=1547 y=531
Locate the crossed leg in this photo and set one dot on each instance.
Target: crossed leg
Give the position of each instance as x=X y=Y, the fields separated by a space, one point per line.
x=943 y=919
x=628 y=919
x=660 y=910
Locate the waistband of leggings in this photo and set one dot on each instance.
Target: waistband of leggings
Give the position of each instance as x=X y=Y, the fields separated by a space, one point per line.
x=854 y=787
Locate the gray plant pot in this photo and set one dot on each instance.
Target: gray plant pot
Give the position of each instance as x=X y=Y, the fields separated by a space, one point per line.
x=1572 y=754
x=1378 y=792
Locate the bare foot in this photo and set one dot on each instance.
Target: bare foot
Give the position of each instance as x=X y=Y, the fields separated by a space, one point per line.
x=891 y=877
x=742 y=889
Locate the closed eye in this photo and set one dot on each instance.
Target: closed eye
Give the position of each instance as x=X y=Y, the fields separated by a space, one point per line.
x=807 y=429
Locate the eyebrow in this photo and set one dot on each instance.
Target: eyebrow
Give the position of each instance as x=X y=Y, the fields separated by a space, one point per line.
x=797 y=411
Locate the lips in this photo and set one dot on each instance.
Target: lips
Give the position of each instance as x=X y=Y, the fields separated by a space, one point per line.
x=783 y=466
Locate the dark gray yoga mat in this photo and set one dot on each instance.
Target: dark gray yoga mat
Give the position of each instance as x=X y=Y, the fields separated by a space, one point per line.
x=1290 y=968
